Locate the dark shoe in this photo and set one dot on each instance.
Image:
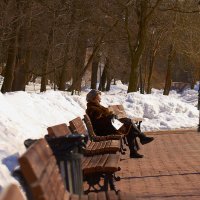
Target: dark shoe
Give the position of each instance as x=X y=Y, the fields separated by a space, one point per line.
x=145 y=140
x=135 y=154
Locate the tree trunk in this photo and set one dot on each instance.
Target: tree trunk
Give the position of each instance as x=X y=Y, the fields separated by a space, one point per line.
x=64 y=75
x=44 y=78
x=168 y=80
x=95 y=49
x=108 y=76
x=151 y=66
x=11 y=59
x=144 y=15
x=79 y=62
x=46 y=60
x=95 y=64
x=109 y=80
x=24 y=50
x=141 y=81
x=102 y=84
x=22 y=67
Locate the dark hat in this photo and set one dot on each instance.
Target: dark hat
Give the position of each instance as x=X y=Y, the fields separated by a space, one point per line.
x=92 y=94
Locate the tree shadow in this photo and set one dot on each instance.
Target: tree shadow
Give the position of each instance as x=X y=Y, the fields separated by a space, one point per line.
x=11 y=162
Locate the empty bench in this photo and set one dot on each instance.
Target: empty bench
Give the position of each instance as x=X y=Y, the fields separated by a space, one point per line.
x=93 y=168
x=92 y=148
x=39 y=168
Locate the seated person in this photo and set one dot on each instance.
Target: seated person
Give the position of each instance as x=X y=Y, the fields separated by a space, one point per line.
x=101 y=120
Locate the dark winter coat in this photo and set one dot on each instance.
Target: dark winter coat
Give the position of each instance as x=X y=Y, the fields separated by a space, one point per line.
x=101 y=119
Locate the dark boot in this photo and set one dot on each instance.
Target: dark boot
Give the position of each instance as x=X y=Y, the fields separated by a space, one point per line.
x=144 y=139
x=135 y=154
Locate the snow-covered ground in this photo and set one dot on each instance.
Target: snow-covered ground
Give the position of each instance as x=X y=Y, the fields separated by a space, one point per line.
x=28 y=114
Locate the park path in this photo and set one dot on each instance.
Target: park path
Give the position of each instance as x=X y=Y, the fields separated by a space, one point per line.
x=169 y=170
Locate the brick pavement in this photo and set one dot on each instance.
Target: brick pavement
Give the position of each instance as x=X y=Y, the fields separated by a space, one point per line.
x=169 y=170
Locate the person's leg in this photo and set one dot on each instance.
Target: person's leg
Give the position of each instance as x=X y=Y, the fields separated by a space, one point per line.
x=133 y=144
x=136 y=132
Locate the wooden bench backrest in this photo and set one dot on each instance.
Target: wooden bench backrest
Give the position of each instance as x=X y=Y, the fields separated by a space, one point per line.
x=39 y=168
x=77 y=126
x=12 y=192
x=118 y=110
x=121 y=113
x=59 y=130
x=89 y=126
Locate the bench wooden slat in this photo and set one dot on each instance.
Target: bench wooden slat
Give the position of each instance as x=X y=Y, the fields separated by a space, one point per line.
x=59 y=130
x=100 y=147
x=121 y=113
x=89 y=145
x=91 y=166
x=12 y=192
x=77 y=126
x=103 y=145
x=95 y=146
x=114 y=144
x=111 y=163
x=102 y=162
x=43 y=178
x=85 y=161
x=108 y=143
x=99 y=164
x=92 y=134
x=49 y=182
x=29 y=169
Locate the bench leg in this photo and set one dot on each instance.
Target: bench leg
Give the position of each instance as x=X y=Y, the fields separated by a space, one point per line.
x=92 y=181
x=109 y=182
x=122 y=148
x=125 y=141
x=122 y=151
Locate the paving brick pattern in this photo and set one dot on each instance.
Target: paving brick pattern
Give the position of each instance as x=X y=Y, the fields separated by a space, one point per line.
x=169 y=170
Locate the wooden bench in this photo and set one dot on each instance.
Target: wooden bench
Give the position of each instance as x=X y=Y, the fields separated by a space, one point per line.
x=92 y=148
x=58 y=130
x=12 y=192
x=120 y=112
x=92 y=134
x=94 y=137
x=104 y=146
x=39 y=168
